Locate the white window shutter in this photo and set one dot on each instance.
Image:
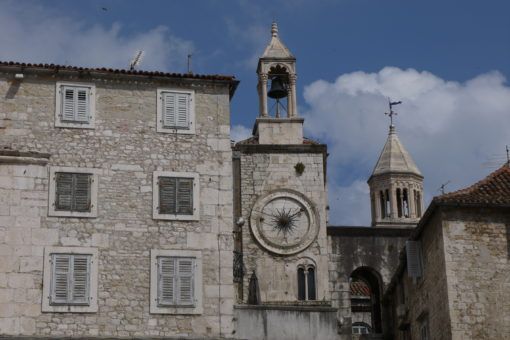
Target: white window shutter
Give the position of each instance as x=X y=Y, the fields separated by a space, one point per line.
x=82 y=188
x=414 y=261
x=183 y=110
x=82 y=105
x=63 y=191
x=185 y=196
x=81 y=279
x=166 y=281
x=169 y=109
x=167 y=195
x=186 y=270
x=68 y=103
x=60 y=290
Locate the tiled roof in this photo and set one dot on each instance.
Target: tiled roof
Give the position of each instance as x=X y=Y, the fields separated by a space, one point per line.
x=119 y=71
x=493 y=190
x=359 y=288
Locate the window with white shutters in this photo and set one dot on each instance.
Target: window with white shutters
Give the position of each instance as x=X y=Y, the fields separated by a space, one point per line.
x=70 y=283
x=176 y=281
x=73 y=191
x=75 y=105
x=175 y=111
x=414 y=259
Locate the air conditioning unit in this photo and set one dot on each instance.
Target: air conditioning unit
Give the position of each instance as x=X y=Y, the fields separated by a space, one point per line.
x=402 y=311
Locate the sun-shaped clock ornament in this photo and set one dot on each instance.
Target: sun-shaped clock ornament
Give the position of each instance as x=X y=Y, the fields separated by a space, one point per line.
x=284 y=222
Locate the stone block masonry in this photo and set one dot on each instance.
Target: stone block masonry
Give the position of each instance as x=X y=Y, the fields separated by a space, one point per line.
x=126 y=148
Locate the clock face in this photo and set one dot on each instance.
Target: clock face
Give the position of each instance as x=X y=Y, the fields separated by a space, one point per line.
x=284 y=222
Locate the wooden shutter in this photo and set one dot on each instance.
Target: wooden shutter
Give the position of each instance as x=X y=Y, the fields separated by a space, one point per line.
x=182 y=106
x=166 y=281
x=185 y=196
x=60 y=291
x=63 y=191
x=414 y=261
x=82 y=187
x=81 y=279
x=82 y=105
x=68 y=103
x=167 y=195
x=169 y=109
x=186 y=270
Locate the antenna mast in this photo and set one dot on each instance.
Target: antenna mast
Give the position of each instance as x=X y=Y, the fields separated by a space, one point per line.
x=136 y=60
x=189 y=62
x=441 y=188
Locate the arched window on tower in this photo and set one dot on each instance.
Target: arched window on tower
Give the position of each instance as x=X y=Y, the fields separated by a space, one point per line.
x=399 y=202
x=417 y=203
x=383 y=204
x=405 y=203
x=388 y=203
x=306 y=283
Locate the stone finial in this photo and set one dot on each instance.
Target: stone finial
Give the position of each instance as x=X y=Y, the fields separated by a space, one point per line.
x=274 y=29
x=392 y=129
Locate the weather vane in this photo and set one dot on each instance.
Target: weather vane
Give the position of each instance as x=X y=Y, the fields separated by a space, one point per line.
x=392 y=113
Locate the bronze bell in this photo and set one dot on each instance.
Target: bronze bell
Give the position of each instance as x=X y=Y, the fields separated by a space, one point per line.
x=277 y=90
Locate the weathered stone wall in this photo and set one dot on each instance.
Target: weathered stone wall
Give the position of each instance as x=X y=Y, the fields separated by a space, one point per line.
x=126 y=148
x=285 y=322
x=262 y=172
x=477 y=252
x=375 y=250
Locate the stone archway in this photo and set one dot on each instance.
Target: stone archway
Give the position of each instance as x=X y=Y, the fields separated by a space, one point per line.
x=365 y=290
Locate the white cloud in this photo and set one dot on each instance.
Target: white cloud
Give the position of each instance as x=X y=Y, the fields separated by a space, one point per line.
x=239 y=132
x=451 y=129
x=37 y=34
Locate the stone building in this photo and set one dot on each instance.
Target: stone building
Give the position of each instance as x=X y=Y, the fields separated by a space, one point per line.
x=126 y=211
x=116 y=191
x=454 y=281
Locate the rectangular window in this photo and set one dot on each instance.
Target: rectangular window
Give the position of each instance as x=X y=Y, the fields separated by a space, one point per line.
x=414 y=259
x=70 y=283
x=75 y=105
x=175 y=195
x=73 y=191
x=175 y=281
x=175 y=111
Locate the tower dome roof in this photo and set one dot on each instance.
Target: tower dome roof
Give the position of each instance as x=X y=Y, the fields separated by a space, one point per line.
x=394 y=158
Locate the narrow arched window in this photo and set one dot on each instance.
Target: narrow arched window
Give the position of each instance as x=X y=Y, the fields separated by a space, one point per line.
x=388 y=203
x=405 y=203
x=306 y=283
x=382 y=203
x=301 y=284
x=399 y=202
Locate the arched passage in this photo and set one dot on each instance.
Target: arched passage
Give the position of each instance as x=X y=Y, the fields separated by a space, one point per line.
x=365 y=289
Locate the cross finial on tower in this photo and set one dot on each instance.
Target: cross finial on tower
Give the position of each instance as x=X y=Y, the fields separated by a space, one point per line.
x=392 y=113
x=274 y=29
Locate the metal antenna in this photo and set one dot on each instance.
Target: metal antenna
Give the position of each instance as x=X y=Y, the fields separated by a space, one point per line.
x=392 y=113
x=136 y=60
x=441 y=188
x=507 y=156
x=189 y=62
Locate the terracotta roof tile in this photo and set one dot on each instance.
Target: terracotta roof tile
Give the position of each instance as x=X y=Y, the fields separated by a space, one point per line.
x=359 y=288
x=57 y=67
x=493 y=190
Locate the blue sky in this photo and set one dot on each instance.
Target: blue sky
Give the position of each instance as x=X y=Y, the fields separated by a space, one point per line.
x=447 y=60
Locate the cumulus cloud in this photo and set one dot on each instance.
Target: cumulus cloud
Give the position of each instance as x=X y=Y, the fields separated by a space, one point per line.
x=450 y=128
x=37 y=34
x=239 y=132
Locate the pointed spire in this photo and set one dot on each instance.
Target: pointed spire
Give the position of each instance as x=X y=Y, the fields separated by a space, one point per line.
x=276 y=49
x=394 y=157
x=274 y=29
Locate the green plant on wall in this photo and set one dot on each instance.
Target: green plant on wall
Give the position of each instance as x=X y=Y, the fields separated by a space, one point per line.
x=300 y=168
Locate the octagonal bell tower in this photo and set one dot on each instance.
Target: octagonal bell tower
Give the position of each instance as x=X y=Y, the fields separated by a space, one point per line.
x=396 y=186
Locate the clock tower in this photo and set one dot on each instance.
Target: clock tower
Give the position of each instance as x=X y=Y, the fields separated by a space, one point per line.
x=280 y=196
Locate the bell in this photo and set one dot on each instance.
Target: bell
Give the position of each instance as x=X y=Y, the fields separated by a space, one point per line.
x=277 y=90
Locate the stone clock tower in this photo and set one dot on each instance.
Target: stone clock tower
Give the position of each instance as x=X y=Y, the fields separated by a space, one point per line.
x=280 y=196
